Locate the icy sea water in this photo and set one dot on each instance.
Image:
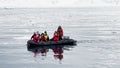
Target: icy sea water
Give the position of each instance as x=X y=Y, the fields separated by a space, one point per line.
x=97 y=31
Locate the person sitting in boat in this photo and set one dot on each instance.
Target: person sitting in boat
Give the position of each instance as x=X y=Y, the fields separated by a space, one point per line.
x=34 y=37
x=60 y=32
x=46 y=36
x=41 y=38
x=38 y=34
x=55 y=36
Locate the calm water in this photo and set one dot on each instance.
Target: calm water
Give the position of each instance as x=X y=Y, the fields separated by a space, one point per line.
x=97 y=31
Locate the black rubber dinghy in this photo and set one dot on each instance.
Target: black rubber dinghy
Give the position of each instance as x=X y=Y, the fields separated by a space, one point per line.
x=31 y=43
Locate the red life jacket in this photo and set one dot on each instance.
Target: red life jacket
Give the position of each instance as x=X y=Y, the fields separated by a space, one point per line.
x=55 y=37
x=42 y=38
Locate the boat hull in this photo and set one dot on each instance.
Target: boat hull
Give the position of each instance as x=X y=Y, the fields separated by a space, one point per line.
x=31 y=43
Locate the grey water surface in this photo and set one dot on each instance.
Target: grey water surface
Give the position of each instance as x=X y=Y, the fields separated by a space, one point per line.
x=97 y=31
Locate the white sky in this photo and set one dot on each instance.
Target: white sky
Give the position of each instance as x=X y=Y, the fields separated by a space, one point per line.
x=57 y=3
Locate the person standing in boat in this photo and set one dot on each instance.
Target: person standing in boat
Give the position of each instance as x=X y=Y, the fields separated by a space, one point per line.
x=60 y=32
x=34 y=37
x=55 y=36
x=46 y=36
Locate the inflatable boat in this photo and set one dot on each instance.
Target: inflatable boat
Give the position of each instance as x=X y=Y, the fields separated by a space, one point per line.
x=31 y=43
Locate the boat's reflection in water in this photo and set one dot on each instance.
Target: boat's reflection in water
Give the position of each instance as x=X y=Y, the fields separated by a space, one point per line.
x=57 y=50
